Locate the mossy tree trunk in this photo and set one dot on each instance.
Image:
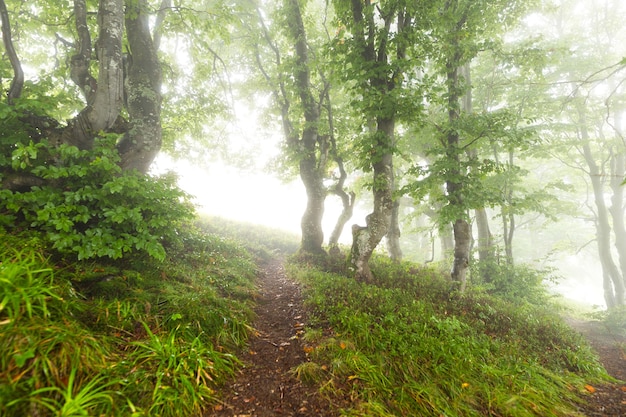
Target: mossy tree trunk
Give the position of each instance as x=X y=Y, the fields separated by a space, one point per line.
x=377 y=50
x=393 y=235
x=347 y=202
x=142 y=141
x=454 y=182
x=104 y=95
x=365 y=239
x=135 y=86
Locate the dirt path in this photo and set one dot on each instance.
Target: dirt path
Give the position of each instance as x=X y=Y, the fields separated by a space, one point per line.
x=266 y=386
x=607 y=400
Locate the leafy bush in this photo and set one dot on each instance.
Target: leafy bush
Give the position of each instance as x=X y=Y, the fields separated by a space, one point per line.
x=614 y=319
x=516 y=283
x=89 y=208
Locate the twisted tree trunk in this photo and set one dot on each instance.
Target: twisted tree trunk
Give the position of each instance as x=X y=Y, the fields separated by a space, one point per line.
x=365 y=239
x=104 y=96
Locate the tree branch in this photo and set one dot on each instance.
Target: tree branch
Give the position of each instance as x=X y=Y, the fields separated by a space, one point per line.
x=158 y=24
x=79 y=71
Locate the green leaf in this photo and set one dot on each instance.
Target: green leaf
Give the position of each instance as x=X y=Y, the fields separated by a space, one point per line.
x=21 y=358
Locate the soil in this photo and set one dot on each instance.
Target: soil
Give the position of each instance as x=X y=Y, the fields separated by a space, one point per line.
x=266 y=386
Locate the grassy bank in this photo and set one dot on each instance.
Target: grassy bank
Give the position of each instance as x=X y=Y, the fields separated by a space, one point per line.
x=407 y=346
x=132 y=337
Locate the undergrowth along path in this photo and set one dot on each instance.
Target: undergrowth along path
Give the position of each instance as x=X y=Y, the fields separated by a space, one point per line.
x=266 y=386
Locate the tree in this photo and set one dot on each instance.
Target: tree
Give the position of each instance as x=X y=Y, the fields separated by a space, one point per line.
x=126 y=82
x=587 y=126
x=379 y=46
x=461 y=31
x=302 y=98
x=81 y=182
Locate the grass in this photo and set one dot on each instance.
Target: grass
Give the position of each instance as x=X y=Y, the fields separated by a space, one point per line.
x=408 y=346
x=138 y=337
x=134 y=337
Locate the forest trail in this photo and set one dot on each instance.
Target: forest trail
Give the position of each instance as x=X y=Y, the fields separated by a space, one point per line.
x=607 y=400
x=266 y=386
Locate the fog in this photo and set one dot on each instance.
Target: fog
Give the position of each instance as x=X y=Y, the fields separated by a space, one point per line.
x=260 y=198
x=582 y=49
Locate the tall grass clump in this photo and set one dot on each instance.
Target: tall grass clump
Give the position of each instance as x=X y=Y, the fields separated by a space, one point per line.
x=407 y=345
x=47 y=357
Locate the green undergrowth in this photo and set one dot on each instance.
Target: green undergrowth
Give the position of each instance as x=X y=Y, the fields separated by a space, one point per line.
x=134 y=336
x=406 y=345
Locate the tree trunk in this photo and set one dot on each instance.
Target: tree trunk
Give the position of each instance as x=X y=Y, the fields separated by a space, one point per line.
x=462 y=243
x=347 y=201
x=486 y=250
x=485 y=238
x=365 y=239
x=454 y=184
x=311 y=223
x=17 y=83
x=141 y=144
x=104 y=98
x=618 y=169
x=312 y=149
x=612 y=279
x=393 y=236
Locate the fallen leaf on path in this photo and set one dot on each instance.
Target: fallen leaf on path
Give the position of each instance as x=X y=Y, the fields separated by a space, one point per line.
x=590 y=388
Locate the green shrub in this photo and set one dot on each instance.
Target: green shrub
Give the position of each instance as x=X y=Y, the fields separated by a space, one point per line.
x=89 y=208
x=614 y=319
x=517 y=283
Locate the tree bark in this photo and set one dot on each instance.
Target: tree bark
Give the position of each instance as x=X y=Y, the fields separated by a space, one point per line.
x=612 y=280
x=17 y=83
x=347 y=201
x=141 y=144
x=618 y=169
x=454 y=184
x=312 y=148
x=365 y=239
x=106 y=96
x=393 y=235
x=485 y=238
